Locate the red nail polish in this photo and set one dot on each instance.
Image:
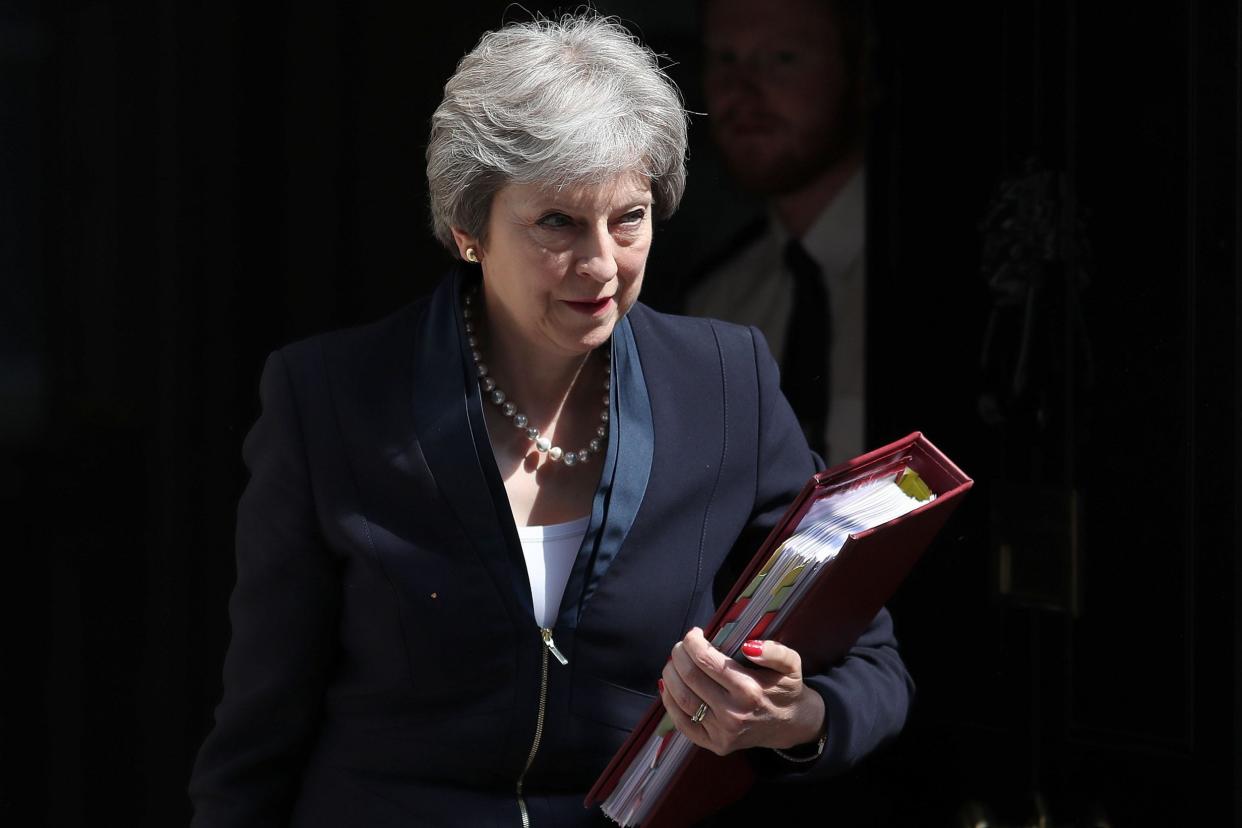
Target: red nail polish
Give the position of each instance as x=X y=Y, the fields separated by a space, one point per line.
x=753 y=648
x=660 y=684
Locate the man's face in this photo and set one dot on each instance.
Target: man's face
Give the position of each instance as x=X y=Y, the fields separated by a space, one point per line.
x=779 y=100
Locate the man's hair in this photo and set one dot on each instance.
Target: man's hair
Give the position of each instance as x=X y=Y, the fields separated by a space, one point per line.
x=857 y=34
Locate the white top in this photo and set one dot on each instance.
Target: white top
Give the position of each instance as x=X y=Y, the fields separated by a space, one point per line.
x=753 y=287
x=550 y=551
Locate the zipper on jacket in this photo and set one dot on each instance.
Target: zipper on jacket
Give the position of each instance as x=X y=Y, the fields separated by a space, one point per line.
x=549 y=646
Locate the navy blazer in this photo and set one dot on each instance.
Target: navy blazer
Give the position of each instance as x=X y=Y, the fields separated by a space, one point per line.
x=385 y=666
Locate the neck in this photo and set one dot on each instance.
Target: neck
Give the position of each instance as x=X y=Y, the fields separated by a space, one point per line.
x=798 y=210
x=537 y=380
x=540 y=388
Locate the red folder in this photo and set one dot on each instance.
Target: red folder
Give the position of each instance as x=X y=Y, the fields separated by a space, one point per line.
x=833 y=613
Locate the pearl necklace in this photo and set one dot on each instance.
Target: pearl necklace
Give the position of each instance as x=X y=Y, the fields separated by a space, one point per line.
x=520 y=420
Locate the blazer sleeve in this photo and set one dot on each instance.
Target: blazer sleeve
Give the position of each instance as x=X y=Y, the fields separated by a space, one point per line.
x=867 y=695
x=283 y=612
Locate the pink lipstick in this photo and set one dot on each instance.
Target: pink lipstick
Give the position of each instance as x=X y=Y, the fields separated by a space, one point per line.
x=595 y=308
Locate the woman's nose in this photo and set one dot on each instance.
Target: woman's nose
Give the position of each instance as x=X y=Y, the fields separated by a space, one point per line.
x=597 y=256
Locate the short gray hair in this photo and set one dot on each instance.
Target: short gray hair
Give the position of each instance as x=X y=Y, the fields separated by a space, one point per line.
x=553 y=102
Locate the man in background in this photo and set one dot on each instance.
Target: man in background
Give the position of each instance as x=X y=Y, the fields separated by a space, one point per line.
x=784 y=87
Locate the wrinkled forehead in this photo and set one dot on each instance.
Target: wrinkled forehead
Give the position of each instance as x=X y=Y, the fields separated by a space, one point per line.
x=588 y=196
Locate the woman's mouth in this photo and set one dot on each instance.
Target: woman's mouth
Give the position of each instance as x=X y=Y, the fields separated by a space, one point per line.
x=595 y=308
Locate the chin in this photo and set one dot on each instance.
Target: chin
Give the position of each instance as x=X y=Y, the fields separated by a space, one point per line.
x=599 y=336
x=597 y=331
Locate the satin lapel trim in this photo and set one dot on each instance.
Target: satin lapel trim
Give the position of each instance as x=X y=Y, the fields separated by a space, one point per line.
x=623 y=480
x=448 y=418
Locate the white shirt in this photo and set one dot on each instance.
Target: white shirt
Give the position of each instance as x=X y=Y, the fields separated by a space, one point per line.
x=550 y=551
x=753 y=287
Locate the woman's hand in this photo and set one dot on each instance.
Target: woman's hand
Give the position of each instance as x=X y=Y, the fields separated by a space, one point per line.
x=768 y=707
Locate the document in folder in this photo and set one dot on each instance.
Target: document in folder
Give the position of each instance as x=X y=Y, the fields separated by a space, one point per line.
x=826 y=569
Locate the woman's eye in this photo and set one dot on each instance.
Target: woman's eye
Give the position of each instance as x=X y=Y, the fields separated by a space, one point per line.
x=555 y=221
x=634 y=216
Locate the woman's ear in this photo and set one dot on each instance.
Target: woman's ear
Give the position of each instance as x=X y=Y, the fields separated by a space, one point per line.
x=468 y=248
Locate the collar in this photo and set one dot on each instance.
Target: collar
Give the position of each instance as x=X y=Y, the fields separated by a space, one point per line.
x=836 y=238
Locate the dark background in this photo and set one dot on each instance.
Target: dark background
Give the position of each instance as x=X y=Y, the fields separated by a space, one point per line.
x=184 y=186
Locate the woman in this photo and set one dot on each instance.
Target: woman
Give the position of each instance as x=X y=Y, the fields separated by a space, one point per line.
x=477 y=532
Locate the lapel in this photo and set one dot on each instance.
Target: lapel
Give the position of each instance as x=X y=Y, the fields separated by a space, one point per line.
x=448 y=417
x=452 y=433
x=623 y=480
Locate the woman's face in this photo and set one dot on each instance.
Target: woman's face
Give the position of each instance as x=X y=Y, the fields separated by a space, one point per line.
x=561 y=267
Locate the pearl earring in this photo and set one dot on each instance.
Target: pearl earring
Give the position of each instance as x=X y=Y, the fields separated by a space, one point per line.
x=471 y=256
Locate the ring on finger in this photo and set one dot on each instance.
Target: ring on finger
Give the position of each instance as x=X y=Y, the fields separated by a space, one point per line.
x=700 y=714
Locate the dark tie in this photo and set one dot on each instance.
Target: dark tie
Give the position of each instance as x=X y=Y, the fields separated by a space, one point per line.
x=805 y=376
